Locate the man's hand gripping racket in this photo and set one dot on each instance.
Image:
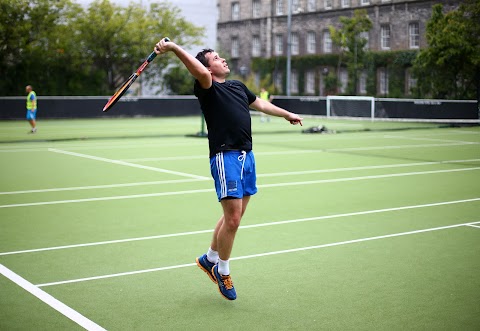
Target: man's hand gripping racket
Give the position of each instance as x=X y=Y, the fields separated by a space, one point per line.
x=121 y=91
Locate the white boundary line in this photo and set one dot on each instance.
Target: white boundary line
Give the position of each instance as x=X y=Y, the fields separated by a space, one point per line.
x=430 y=139
x=179 y=234
x=128 y=164
x=50 y=300
x=339 y=243
x=335 y=180
x=94 y=187
x=398 y=165
x=305 y=151
x=276 y=174
x=473 y=226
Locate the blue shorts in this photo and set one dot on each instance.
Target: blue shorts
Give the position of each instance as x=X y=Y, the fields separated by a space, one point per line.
x=31 y=115
x=234 y=174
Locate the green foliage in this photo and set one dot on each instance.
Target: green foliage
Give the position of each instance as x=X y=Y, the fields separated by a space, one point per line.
x=62 y=48
x=450 y=66
x=396 y=63
x=351 y=45
x=178 y=80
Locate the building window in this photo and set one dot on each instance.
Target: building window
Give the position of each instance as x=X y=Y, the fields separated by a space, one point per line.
x=383 y=78
x=296 y=7
x=278 y=44
x=385 y=36
x=256 y=46
x=345 y=3
x=327 y=42
x=235 y=47
x=365 y=2
x=343 y=80
x=362 y=83
x=235 y=11
x=279 y=7
x=310 y=82
x=414 y=35
x=256 y=8
x=278 y=81
x=411 y=82
x=327 y=4
x=294 y=81
x=256 y=76
x=311 y=5
x=295 y=43
x=364 y=35
x=311 y=43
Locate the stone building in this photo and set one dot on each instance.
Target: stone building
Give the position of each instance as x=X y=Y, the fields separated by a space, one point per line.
x=250 y=29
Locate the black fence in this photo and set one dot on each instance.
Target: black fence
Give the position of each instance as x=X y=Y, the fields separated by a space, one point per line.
x=91 y=107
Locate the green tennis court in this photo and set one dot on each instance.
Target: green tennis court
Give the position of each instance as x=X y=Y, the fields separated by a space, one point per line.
x=371 y=229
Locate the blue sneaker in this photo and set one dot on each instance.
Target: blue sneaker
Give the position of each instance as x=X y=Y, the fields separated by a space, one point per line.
x=206 y=266
x=225 y=284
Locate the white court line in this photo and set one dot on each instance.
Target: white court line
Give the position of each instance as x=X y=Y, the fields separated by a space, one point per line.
x=49 y=300
x=94 y=187
x=474 y=226
x=276 y=174
x=179 y=234
x=293 y=250
x=118 y=197
x=13 y=149
x=430 y=139
x=304 y=151
x=396 y=147
x=128 y=164
x=398 y=165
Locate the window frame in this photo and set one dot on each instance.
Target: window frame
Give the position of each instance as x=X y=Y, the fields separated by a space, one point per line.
x=256 y=46
x=385 y=38
x=311 y=42
x=235 y=47
x=415 y=37
x=327 y=42
x=235 y=11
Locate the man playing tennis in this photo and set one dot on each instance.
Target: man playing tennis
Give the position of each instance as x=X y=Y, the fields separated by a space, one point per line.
x=225 y=105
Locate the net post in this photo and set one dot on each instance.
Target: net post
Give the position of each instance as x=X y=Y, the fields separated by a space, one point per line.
x=202 y=133
x=372 y=107
x=328 y=106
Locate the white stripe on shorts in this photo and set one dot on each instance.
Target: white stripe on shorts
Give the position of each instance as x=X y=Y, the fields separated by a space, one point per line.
x=221 y=175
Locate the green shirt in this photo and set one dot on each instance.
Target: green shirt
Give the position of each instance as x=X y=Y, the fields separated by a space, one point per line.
x=30 y=98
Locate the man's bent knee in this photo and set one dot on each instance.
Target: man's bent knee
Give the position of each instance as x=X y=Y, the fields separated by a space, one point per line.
x=232 y=222
x=232 y=210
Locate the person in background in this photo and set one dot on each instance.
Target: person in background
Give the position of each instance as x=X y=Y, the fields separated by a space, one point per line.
x=31 y=108
x=264 y=95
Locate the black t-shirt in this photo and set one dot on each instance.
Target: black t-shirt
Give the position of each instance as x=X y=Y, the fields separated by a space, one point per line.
x=227 y=114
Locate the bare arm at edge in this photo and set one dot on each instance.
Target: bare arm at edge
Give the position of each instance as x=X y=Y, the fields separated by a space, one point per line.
x=195 y=67
x=270 y=109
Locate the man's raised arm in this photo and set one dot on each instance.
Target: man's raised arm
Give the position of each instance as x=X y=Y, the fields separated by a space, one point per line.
x=195 y=67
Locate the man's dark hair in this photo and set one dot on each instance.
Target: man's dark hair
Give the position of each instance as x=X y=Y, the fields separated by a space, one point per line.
x=201 y=56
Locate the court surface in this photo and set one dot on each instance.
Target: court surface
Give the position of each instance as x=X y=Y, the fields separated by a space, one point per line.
x=363 y=230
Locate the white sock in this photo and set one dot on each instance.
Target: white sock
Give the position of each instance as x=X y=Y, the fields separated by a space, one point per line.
x=223 y=267
x=212 y=255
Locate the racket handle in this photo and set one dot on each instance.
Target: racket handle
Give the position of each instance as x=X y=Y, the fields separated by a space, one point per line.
x=153 y=54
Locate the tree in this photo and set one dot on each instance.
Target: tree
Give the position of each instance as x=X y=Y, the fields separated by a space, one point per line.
x=122 y=37
x=178 y=80
x=30 y=32
x=63 y=48
x=351 y=44
x=450 y=66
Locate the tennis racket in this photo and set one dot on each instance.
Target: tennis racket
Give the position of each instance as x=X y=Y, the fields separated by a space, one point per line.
x=121 y=91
